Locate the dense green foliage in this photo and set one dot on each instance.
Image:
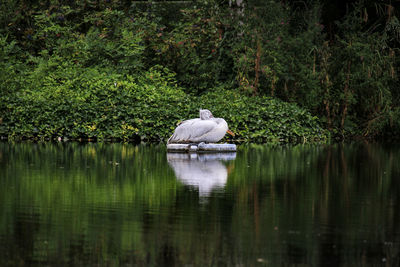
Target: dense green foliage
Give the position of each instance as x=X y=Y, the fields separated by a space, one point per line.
x=95 y=105
x=111 y=69
x=263 y=119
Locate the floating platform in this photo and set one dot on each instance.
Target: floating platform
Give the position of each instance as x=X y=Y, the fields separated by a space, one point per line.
x=202 y=147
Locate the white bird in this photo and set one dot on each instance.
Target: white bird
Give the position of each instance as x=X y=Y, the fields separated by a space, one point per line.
x=205 y=129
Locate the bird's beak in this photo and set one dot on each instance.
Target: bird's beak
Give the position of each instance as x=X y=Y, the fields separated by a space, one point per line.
x=230 y=132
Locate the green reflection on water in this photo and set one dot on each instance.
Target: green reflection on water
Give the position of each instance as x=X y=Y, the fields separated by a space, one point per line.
x=115 y=204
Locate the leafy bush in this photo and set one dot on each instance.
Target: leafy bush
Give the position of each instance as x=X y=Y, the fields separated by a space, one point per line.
x=91 y=104
x=263 y=119
x=10 y=80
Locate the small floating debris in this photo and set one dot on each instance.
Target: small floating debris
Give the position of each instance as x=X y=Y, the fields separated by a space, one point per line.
x=201 y=147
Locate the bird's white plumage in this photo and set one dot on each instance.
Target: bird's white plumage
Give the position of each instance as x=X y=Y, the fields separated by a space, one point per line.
x=206 y=129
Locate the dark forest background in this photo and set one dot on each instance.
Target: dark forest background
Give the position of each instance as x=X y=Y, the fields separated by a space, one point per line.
x=276 y=70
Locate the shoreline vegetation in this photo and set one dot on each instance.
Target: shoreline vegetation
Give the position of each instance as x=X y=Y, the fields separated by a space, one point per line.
x=261 y=119
x=275 y=71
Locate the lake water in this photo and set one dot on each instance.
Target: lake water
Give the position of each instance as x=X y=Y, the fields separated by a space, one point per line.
x=121 y=204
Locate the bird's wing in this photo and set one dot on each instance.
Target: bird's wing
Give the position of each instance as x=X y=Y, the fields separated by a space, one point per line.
x=200 y=128
x=190 y=129
x=187 y=121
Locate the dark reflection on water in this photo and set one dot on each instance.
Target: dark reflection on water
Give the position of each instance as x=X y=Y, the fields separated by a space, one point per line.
x=114 y=204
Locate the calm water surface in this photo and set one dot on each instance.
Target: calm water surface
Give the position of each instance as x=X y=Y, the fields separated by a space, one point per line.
x=115 y=204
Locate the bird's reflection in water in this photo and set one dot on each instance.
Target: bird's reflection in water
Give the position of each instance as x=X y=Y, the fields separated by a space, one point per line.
x=203 y=171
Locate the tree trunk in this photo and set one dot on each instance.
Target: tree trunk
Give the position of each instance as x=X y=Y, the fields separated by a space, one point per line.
x=257 y=67
x=346 y=97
